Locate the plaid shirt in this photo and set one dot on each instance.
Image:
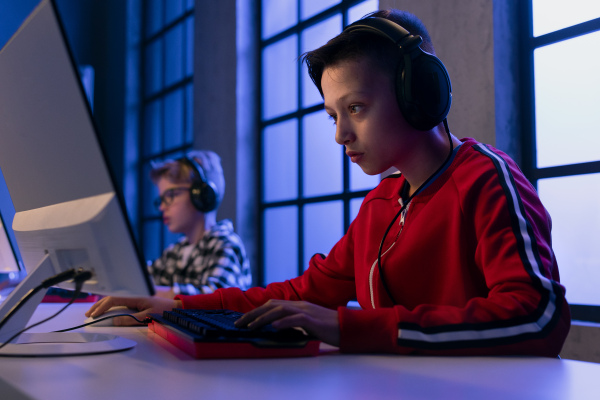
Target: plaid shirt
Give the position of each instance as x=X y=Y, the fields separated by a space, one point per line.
x=218 y=260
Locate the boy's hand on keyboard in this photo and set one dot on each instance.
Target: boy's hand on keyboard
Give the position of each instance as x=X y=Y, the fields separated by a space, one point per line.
x=144 y=305
x=318 y=321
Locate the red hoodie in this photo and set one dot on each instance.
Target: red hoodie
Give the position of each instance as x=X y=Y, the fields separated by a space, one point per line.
x=470 y=267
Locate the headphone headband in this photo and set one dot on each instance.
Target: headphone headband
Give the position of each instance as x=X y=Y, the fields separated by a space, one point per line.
x=385 y=27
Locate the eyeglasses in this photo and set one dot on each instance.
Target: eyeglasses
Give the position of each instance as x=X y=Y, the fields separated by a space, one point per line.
x=169 y=195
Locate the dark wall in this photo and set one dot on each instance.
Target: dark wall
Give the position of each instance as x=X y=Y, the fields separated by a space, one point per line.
x=96 y=32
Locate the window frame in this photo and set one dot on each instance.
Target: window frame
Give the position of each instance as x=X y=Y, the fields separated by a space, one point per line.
x=530 y=43
x=145 y=160
x=300 y=201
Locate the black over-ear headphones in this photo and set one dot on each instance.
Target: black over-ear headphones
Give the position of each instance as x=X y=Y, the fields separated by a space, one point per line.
x=423 y=87
x=203 y=193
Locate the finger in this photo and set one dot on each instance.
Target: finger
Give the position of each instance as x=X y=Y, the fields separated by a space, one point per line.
x=99 y=305
x=248 y=317
x=256 y=313
x=297 y=320
x=110 y=302
x=275 y=314
x=326 y=332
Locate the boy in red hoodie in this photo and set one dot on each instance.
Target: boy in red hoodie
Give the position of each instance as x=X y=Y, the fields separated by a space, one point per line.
x=452 y=256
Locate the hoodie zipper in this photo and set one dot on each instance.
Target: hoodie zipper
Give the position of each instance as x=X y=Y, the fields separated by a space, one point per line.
x=371 y=273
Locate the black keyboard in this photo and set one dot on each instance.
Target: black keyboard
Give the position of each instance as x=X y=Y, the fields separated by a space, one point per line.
x=219 y=324
x=209 y=334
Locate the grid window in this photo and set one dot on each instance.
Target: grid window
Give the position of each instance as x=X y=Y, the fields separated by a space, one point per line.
x=279 y=78
x=278 y=16
x=576 y=230
x=564 y=156
x=312 y=38
x=323 y=227
x=281 y=167
x=281 y=243
x=165 y=106
x=310 y=191
x=573 y=81
x=553 y=15
x=322 y=159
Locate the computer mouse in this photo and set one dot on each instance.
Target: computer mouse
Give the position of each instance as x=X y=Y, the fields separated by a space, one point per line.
x=109 y=313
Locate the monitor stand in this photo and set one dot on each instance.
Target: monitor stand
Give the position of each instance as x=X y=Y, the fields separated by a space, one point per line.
x=52 y=343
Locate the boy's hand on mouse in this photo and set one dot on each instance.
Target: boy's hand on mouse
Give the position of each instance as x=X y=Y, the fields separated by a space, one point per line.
x=144 y=305
x=318 y=321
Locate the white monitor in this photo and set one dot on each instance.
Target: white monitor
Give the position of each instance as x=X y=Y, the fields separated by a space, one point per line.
x=68 y=211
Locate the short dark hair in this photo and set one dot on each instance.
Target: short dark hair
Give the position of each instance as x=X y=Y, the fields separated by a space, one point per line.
x=351 y=45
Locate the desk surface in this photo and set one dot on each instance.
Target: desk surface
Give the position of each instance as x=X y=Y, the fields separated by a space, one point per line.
x=156 y=370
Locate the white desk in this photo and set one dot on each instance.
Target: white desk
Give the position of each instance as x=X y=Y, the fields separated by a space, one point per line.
x=156 y=370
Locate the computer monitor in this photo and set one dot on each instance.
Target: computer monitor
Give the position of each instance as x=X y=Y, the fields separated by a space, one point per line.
x=68 y=211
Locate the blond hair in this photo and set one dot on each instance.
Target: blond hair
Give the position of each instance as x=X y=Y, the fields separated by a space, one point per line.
x=180 y=171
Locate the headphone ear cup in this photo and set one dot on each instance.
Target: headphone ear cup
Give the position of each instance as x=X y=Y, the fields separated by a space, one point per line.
x=203 y=193
x=203 y=196
x=423 y=90
x=423 y=86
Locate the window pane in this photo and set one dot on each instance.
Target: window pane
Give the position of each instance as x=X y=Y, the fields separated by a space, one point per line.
x=567 y=94
x=355 y=207
x=189 y=43
x=173 y=10
x=154 y=13
x=361 y=181
x=149 y=193
x=277 y=16
x=281 y=244
x=552 y=15
x=322 y=156
x=279 y=75
x=575 y=233
x=174 y=55
x=174 y=119
x=153 y=125
x=312 y=38
x=152 y=245
x=189 y=114
x=153 y=67
x=281 y=161
x=323 y=227
x=308 y=8
x=362 y=9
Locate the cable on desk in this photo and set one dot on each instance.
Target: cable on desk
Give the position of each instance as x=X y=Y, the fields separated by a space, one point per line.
x=79 y=277
x=145 y=321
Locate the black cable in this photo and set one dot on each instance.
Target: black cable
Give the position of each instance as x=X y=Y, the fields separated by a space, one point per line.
x=145 y=321
x=78 y=277
x=379 y=265
x=53 y=280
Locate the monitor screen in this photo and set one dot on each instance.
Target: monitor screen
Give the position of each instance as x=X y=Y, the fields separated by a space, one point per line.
x=68 y=211
x=10 y=269
x=8 y=257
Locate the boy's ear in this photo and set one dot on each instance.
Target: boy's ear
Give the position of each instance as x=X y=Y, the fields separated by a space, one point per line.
x=423 y=88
